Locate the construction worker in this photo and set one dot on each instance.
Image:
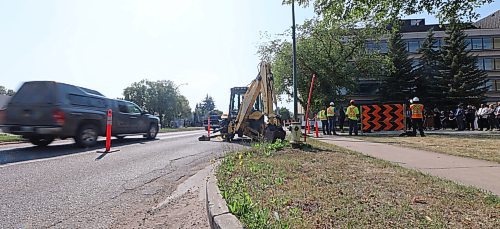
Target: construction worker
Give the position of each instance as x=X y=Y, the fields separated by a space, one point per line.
x=352 y=113
x=324 y=120
x=330 y=114
x=417 y=117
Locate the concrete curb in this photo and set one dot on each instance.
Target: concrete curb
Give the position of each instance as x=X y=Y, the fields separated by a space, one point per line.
x=218 y=213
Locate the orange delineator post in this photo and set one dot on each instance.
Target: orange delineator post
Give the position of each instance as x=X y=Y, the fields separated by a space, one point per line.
x=308 y=105
x=109 y=123
x=316 y=128
x=208 y=128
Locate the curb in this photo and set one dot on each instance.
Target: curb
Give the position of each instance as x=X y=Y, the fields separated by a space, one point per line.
x=218 y=213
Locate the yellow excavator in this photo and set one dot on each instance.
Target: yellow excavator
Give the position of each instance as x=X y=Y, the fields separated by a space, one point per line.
x=251 y=111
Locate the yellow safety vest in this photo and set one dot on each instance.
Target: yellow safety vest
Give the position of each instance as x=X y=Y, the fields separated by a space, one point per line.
x=330 y=111
x=322 y=115
x=352 y=112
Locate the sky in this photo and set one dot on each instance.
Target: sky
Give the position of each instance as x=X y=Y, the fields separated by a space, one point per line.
x=205 y=47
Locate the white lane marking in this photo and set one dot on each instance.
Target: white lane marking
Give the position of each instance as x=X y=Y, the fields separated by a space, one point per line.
x=84 y=152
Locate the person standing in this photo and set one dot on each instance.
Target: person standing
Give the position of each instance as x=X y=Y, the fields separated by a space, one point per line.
x=482 y=117
x=437 y=121
x=341 y=119
x=352 y=113
x=470 y=115
x=417 y=116
x=460 y=117
x=491 y=117
x=497 y=115
x=324 y=121
x=330 y=114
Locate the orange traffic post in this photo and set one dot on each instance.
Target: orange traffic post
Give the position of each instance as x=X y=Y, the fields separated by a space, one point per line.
x=316 y=128
x=109 y=123
x=208 y=127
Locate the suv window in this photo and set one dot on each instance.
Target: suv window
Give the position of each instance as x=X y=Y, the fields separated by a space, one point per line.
x=122 y=107
x=80 y=100
x=134 y=109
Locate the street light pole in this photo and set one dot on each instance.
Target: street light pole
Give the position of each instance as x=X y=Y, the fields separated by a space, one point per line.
x=294 y=63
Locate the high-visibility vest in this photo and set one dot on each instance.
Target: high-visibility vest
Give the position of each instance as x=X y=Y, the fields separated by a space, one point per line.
x=330 y=111
x=322 y=115
x=417 y=110
x=352 y=112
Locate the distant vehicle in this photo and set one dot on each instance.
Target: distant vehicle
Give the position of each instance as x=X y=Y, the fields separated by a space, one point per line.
x=42 y=111
x=214 y=121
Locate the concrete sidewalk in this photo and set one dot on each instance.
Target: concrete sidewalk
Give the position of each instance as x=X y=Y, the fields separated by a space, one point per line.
x=482 y=174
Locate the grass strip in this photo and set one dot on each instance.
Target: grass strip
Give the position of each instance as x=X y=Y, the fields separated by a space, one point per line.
x=325 y=186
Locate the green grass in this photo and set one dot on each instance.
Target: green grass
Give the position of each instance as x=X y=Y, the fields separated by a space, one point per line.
x=10 y=138
x=473 y=146
x=331 y=187
x=168 y=130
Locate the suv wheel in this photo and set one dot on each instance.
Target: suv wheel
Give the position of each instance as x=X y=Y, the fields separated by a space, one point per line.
x=152 y=132
x=41 y=141
x=87 y=136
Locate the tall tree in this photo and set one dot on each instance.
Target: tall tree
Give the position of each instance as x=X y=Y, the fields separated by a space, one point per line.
x=208 y=104
x=429 y=83
x=398 y=85
x=466 y=82
x=158 y=97
x=5 y=91
x=335 y=53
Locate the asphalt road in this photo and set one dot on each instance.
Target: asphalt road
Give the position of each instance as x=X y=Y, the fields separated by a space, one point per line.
x=62 y=186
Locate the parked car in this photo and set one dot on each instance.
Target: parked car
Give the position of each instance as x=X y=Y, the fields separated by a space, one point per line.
x=42 y=111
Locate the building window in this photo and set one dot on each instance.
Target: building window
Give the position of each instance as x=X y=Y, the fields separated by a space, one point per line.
x=497 y=85
x=383 y=47
x=497 y=63
x=468 y=42
x=487 y=43
x=479 y=63
x=496 y=43
x=413 y=46
x=477 y=43
x=488 y=64
x=490 y=85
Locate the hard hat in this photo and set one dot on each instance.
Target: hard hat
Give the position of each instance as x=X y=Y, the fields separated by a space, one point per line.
x=331 y=103
x=352 y=101
x=415 y=99
x=224 y=116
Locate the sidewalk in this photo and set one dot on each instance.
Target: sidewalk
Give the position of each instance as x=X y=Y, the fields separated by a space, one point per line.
x=482 y=174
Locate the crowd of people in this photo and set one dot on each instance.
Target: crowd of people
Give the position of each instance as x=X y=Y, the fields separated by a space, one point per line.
x=484 y=118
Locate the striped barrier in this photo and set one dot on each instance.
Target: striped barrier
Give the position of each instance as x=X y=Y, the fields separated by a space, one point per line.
x=388 y=117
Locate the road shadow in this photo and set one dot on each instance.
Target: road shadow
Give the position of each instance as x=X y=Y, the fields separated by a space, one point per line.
x=28 y=153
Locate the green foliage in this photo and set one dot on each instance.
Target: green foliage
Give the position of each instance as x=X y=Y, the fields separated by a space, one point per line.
x=268 y=149
x=381 y=11
x=5 y=91
x=334 y=52
x=285 y=113
x=397 y=86
x=204 y=108
x=466 y=83
x=159 y=97
x=429 y=82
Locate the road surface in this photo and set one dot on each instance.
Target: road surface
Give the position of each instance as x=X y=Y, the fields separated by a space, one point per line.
x=63 y=186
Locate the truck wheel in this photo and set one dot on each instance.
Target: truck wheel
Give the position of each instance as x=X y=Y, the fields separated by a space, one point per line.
x=41 y=141
x=87 y=136
x=152 y=132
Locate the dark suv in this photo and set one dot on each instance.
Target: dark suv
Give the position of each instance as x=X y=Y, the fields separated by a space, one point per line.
x=44 y=110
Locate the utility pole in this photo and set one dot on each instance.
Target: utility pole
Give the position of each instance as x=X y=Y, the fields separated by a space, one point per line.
x=294 y=63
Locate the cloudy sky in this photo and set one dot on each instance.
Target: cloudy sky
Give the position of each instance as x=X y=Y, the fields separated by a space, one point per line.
x=205 y=46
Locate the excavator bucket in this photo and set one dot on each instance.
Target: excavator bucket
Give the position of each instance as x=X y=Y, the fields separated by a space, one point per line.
x=204 y=138
x=272 y=133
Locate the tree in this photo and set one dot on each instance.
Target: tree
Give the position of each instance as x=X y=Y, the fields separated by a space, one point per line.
x=285 y=113
x=397 y=86
x=335 y=53
x=466 y=82
x=382 y=10
x=208 y=104
x=204 y=108
x=429 y=82
x=5 y=91
x=160 y=98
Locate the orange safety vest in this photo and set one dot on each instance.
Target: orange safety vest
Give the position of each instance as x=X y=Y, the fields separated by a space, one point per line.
x=417 y=110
